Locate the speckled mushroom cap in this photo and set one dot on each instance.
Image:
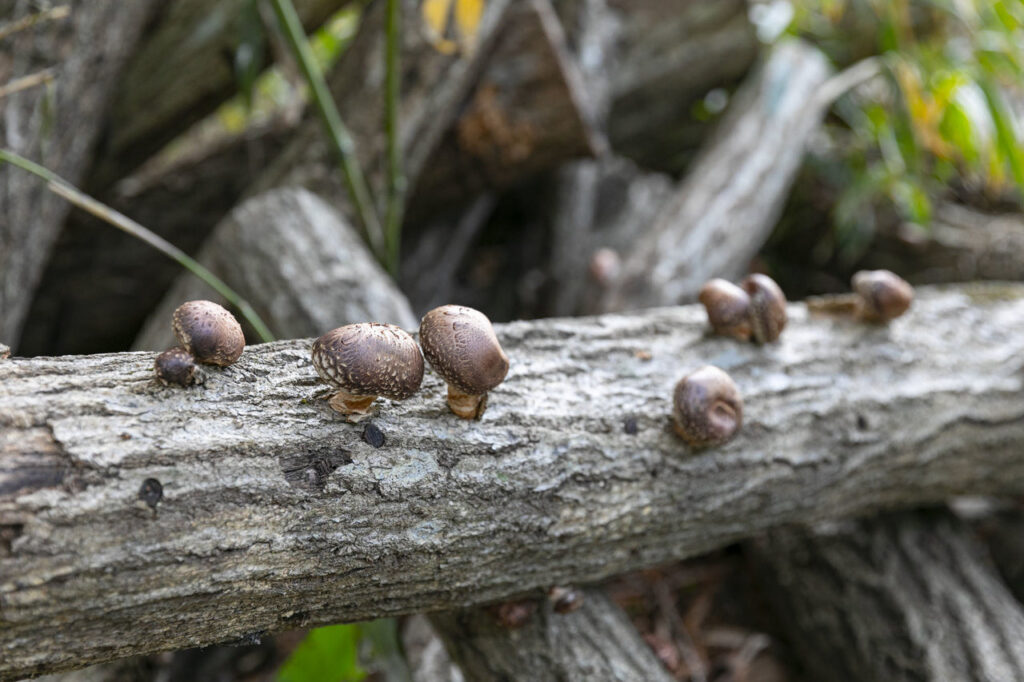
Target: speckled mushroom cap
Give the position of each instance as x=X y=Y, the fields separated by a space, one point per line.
x=461 y=346
x=209 y=332
x=886 y=295
x=370 y=358
x=175 y=366
x=767 y=307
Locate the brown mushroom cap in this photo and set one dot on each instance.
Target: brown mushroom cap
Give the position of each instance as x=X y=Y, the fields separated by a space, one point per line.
x=885 y=294
x=370 y=359
x=707 y=407
x=209 y=332
x=767 y=307
x=728 y=308
x=175 y=366
x=461 y=346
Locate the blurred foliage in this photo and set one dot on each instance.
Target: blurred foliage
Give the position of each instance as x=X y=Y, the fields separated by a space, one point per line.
x=327 y=654
x=939 y=120
x=452 y=25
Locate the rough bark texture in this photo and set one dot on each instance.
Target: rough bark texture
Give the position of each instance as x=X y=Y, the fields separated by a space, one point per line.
x=182 y=72
x=300 y=265
x=53 y=125
x=651 y=59
x=741 y=178
x=101 y=284
x=274 y=513
x=595 y=642
x=530 y=111
x=912 y=597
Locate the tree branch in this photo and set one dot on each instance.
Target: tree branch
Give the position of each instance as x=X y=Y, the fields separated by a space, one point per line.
x=596 y=642
x=913 y=597
x=274 y=514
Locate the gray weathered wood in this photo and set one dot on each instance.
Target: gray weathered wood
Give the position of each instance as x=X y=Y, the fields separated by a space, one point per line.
x=911 y=597
x=596 y=642
x=650 y=60
x=729 y=201
x=530 y=111
x=55 y=125
x=276 y=515
x=300 y=265
x=182 y=72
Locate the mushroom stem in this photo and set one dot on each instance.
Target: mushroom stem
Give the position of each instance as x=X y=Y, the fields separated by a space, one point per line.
x=834 y=304
x=465 y=405
x=356 y=407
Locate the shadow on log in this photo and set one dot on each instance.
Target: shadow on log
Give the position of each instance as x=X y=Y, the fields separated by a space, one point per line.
x=912 y=597
x=275 y=514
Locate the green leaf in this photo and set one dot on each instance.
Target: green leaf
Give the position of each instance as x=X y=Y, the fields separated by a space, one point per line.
x=956 y=127
x=1006 y=136
x=327 y=654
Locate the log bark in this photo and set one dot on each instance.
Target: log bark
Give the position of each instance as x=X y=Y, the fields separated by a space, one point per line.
x=274 y=514
x=741 y=177
x=650 y=60
x=153 y=103
x=300 y=265
x=961 y=244
x=530 y=111
x=913 y=597
x=55 y=125
x=595 y=642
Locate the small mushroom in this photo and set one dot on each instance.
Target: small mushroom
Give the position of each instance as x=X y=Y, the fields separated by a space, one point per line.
x=209 y=332
x=883 y=295
x=513 y=614
x=565 y=599
x=767 y=307
x=5 y=352
x=175 y=366
x=707 y=407
x=367 y=360
x=460 y=344
x=728 y=308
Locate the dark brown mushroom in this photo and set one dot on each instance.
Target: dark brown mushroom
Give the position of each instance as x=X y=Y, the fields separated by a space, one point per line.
x=767 y=307
x=707 y=407
x=461 y=346
x=209 y=332
x=883 y=295
x=728 y=308
x=367 y=360
x=175 y=366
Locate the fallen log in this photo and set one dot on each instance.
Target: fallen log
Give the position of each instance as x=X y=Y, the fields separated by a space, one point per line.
x=912 y=597
x=741 y=177
x=300 y=264
x=83 y=50
x=271 y=512
x=595 y=642
x=153 y=104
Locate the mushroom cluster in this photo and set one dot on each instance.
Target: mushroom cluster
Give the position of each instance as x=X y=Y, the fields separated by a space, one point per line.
x=754 y=310
x=367 y=360
x=208 y=334
x=879 y=296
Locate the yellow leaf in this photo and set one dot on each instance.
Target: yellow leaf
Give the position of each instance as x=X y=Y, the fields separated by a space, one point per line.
x=435 y=16
x=467 y=20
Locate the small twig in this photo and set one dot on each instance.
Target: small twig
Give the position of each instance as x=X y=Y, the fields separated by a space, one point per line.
x=339 y=135
x=65 y=189
x=396 y=175
x=847 y=79
x=684 y=642
x=52 y=14
x=26 y=82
